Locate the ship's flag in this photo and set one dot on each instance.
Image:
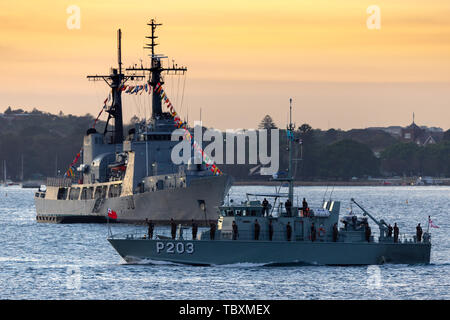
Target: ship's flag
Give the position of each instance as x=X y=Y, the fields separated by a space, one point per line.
x=112 y=214
x=430 y=222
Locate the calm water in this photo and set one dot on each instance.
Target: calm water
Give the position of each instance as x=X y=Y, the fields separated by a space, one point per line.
x=49 y=261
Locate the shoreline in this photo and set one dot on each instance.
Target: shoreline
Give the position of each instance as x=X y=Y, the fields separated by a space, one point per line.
x=333 y=183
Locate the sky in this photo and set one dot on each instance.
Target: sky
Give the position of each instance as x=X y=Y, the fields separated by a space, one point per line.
x=245 y=59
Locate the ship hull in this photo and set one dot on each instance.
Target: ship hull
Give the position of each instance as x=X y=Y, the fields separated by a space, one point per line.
x=180 y=204
x=219 y=252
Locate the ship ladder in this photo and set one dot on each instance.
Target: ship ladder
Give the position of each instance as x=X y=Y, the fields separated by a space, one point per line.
x=98 y=203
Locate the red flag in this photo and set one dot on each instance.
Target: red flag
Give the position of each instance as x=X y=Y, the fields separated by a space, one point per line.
x=112 y=214
x=431 y=223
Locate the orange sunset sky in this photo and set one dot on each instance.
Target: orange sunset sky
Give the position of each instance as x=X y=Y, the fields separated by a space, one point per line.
x=245 y=59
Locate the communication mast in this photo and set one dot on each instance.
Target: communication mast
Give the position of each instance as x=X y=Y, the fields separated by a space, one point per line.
x=115 y=80
x=156 y=68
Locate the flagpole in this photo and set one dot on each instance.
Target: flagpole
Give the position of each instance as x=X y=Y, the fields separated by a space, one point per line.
x=107 y=223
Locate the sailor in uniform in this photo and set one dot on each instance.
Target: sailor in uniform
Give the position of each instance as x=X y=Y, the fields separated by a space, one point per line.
x=265 y=205
x=151 y=227
x=235 y=230
x=173 y=228
x=194 y=230
x=419 y=233
x=396 y=232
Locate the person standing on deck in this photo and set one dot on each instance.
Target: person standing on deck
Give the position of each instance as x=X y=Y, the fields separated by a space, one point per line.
x=335 y=232
x=212 y=231
x=265 y=205
x=194 y=230
x=173 y=228
x=396 y=232
x=288 y=206
x=235 y=230
x=389 y=231
x=151 y=227
x=304 y=206
x=419 y=233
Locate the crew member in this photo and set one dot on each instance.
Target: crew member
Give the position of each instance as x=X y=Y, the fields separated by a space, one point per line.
x=354 y=221
x=194 y=230
x=389 y=231
x=265 y=205
x=288 y=206
x=313 y=232
x=270 y=230
x=212 y=231
x=235 y=230
x=257 y=228
x=335 y=232
x=288 y=231
x=345 y=222
x=304 y=205
x=368 y=232
x=151 y=227
x=173 y=228
x=396 y=231
x=419 y=233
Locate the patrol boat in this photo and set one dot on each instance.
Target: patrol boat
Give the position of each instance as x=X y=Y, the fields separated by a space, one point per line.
x=260 y=235
x=134 y=177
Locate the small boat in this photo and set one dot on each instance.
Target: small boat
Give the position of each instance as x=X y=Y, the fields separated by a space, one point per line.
x=255 y=231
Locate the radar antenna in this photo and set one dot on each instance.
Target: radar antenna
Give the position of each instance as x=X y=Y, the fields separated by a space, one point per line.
x=156 y=68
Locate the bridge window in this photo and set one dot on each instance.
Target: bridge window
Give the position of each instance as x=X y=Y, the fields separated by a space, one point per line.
x=114 y=190
x=87 y=193
x=100 y=192
x=74 y=193
x=62 y=194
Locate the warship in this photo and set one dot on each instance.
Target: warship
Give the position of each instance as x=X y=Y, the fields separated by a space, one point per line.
x=260 y=232
x=133 y=176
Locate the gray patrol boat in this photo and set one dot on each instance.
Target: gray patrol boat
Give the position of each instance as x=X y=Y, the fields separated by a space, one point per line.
x=258 y=232
x=134 y=175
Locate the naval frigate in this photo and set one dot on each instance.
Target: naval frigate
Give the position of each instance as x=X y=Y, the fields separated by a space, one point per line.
x=259 y=232
x=133 y=176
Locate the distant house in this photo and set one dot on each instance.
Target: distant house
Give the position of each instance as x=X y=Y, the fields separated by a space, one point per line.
x=421 y=135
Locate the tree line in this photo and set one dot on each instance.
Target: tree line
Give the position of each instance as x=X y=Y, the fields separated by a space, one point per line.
x=342 y=155
x=48 y=143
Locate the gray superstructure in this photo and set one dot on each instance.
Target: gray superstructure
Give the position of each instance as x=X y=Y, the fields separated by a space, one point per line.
x=133 y=175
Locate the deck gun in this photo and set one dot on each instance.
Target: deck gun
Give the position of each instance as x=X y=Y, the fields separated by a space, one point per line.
x=381 y=224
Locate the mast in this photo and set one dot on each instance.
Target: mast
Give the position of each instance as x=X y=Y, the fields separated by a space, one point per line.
x=114 y=80
x=156 y=68
x=290 y=177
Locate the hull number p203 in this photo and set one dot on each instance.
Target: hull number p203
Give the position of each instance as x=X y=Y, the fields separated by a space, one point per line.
x=174 y=247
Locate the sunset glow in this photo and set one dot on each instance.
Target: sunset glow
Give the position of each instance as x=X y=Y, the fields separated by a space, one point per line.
x=245 y=59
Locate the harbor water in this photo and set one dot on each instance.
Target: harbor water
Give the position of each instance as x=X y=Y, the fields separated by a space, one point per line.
x=75 y=261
